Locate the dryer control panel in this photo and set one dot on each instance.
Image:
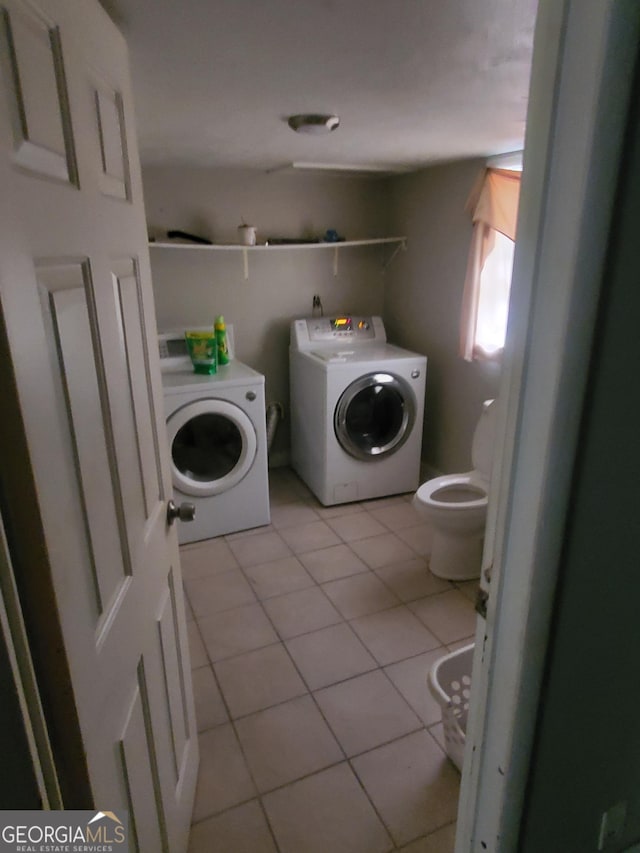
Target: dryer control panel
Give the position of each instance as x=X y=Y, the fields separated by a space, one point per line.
x=314 y=332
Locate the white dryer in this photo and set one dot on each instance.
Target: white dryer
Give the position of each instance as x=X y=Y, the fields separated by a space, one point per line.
x=357 y=409
x=216 y=427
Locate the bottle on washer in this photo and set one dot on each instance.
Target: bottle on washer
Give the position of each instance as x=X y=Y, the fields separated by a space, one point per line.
x=221 y=340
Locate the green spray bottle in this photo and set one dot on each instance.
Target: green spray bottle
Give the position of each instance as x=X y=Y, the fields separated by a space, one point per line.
x=221 y=340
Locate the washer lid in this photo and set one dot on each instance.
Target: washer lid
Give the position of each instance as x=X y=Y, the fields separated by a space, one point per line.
x=234 y=374
x=367 y=355
x=483 y=440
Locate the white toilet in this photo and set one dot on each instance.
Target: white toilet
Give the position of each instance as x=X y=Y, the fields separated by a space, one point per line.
x=456 y=507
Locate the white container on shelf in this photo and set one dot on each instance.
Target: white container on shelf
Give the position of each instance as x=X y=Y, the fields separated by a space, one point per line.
x=247 y=235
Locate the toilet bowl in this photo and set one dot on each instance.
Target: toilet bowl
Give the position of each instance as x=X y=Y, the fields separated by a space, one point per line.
x=456 y=507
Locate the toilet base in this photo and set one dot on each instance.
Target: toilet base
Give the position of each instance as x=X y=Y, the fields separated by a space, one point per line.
x=456 y=558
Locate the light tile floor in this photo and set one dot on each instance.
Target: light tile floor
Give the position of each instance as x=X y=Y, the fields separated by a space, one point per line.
x=311 y=640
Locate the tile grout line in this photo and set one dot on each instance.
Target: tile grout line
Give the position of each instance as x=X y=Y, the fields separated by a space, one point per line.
x=343 y=620
x=304 y=682
x=260 y=601
x=231 y=722
x=330 y=728
x=313 y=690
x=346 y=758
x=272 y=831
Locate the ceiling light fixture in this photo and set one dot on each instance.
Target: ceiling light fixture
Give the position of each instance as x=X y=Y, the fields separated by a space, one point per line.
x=313 y=123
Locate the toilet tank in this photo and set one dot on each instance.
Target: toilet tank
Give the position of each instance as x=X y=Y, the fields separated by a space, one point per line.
x=484 y=439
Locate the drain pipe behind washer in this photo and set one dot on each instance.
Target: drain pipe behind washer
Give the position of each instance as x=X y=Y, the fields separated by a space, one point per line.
x=275 y=412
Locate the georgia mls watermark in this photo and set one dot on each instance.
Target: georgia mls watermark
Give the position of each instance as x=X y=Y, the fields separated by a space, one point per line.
x=64 y=832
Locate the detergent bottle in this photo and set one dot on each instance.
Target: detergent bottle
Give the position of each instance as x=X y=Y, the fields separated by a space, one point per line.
x=221 y=340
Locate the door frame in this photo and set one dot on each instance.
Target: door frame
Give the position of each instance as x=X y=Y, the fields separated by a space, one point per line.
x=580 y=88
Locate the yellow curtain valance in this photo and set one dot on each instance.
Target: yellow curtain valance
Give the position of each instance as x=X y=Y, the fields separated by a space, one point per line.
x=494 y=201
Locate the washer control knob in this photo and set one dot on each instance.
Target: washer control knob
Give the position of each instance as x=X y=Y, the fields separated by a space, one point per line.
x=415 y=374
x=251 y=396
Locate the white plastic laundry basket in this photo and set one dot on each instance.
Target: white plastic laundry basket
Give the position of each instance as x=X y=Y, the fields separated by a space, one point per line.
x=450 y=684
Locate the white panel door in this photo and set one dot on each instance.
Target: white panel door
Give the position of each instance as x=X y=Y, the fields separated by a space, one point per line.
x=76 y=300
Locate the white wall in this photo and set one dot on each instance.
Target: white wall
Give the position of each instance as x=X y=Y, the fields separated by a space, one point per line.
x=192 y=287
x=422 y=305
x=419 y=296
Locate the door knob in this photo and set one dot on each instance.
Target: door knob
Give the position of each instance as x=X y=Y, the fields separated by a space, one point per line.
x=184 y=512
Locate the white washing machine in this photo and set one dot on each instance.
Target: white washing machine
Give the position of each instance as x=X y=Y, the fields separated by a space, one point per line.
x=218 y=442
x=357 y=408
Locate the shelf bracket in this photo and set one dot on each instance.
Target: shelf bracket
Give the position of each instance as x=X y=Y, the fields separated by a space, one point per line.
x=335 y=262
x=245 y=263
x=401 y=247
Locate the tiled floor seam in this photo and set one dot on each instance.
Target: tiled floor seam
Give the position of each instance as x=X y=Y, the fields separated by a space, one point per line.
x=238 y=741
x=435 y=726
x=347 y=758
x=259 y=795
x=322 y=770
x=304 y=681
x=342 y=619
x=239 y=717
x=421 y=837
x=222 y=699
x=404 y=699
x=381 y=610
x=282 y=639
x=295 y=781
x=386 y=826
x=233 y=721
x=369 y=798
x=245 y=652
x=392 y=590
x=380 y=666
x=326 y=721
x=418 y=728
x=268 y=822
x=222 y=609
x=313 y=690
x=224 y=811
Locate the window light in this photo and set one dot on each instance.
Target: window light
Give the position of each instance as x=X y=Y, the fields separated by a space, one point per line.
x=494 y=206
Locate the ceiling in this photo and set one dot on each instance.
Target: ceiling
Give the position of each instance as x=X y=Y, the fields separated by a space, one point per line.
x=414 y=81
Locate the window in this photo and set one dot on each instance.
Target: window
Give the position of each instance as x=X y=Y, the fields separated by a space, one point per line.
x=485 y=307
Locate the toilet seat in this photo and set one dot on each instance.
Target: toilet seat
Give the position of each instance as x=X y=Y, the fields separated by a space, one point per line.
x=450 y=486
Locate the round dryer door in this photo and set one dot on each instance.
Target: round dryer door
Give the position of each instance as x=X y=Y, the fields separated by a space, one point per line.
x=213 y=444
x=374 y=416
